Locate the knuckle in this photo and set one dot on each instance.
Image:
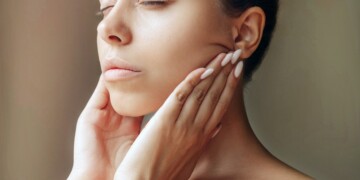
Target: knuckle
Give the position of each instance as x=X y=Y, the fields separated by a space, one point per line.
x=199 y=94
x=191 y=83
x=231 y=85
x=213 y=95
x=226 y=71
x=222 y=103
x=181 y=96
x=182 y=130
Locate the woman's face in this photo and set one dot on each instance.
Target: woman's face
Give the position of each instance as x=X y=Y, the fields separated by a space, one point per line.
x=165 y=41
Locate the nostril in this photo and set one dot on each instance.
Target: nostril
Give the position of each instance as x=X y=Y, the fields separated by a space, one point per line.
x=114 y=38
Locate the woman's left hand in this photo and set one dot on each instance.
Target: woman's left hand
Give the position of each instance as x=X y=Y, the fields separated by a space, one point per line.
x=173 y=140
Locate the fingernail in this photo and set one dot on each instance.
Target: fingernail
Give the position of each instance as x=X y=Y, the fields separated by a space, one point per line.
x=236 y=56
x=226 y=59
x=207 y=73
x=216 y=132
x=238 y=69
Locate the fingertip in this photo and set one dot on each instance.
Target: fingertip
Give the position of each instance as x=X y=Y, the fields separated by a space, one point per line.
x=199 y=71
x=219 y=58
x=196 y=74
x=239 y=69
x=101 y=79
x=101 y=85
x=100 y=97
x=217 y=130
x=233 y=80
x=207 y=73
x=216 y=60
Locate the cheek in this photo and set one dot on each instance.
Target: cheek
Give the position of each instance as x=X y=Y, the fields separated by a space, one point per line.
x=102 y=47
x=176 y=44
x=168 y=48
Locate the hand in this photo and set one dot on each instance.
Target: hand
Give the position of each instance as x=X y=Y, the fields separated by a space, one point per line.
x=102 y=138
x=173 y=140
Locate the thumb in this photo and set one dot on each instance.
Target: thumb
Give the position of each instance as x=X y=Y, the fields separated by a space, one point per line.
x=132 y=124
x=100 y=97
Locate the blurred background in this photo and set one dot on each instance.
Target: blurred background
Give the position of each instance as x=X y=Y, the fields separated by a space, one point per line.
x=304 y=101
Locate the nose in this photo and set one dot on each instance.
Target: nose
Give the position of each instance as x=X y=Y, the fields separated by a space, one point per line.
x=113 y=29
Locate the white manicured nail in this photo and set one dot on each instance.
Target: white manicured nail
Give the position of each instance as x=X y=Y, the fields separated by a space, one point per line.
x=216 y=132
x=207 y=73
x=236 y=56
x=238 y=69
x=226 y=59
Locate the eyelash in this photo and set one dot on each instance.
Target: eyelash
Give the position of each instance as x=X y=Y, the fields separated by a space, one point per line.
x=145 y=3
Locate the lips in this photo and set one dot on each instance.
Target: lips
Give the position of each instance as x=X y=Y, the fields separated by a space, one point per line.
x=117 y=69
x=111 y=64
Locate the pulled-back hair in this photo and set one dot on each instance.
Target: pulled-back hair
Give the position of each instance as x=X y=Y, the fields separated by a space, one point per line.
x=234 y=8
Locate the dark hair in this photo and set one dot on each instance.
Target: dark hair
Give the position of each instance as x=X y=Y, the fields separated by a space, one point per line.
x=234 y=8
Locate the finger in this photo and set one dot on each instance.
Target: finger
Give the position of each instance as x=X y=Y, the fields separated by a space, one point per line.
x=100 y=97
x=216 y=130
x=212 y=97
x=174 y=103
x=225 y=98
x=192 y=104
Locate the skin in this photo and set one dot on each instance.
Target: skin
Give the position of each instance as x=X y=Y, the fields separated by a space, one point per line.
x=190 y=122
x=156 y=39
x=109 y=142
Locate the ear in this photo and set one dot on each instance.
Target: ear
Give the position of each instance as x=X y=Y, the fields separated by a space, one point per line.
x=247 y=30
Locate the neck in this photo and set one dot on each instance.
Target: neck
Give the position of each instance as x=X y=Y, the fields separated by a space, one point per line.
x=234 y=149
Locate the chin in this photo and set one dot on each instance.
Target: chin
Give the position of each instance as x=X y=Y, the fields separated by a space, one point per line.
x=133 y=105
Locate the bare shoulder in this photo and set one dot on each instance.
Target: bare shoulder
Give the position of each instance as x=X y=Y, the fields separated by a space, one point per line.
x=266 y=168
x=279 y=170
x=278 y=173
x=286 y=173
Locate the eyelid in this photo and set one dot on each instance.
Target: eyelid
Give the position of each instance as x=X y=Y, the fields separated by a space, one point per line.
x=142 y=1
x=101 y=11
x=152 y=2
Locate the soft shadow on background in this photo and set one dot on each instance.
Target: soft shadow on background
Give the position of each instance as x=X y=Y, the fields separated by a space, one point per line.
x=304 y=101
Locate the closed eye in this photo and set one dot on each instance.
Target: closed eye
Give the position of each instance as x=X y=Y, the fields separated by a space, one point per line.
x=152 y=3
x=101 y=12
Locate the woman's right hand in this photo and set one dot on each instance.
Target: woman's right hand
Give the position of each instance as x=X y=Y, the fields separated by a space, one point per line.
x=102 y=137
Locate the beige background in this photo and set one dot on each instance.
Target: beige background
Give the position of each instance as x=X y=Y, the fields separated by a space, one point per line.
x=304 y=102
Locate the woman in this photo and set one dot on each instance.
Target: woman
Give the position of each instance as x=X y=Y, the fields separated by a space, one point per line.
x=183 y=59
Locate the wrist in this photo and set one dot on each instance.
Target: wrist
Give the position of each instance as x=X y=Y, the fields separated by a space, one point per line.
x=130 y=175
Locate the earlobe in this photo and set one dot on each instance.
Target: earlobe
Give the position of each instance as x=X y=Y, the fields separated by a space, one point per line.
x=248 y=29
